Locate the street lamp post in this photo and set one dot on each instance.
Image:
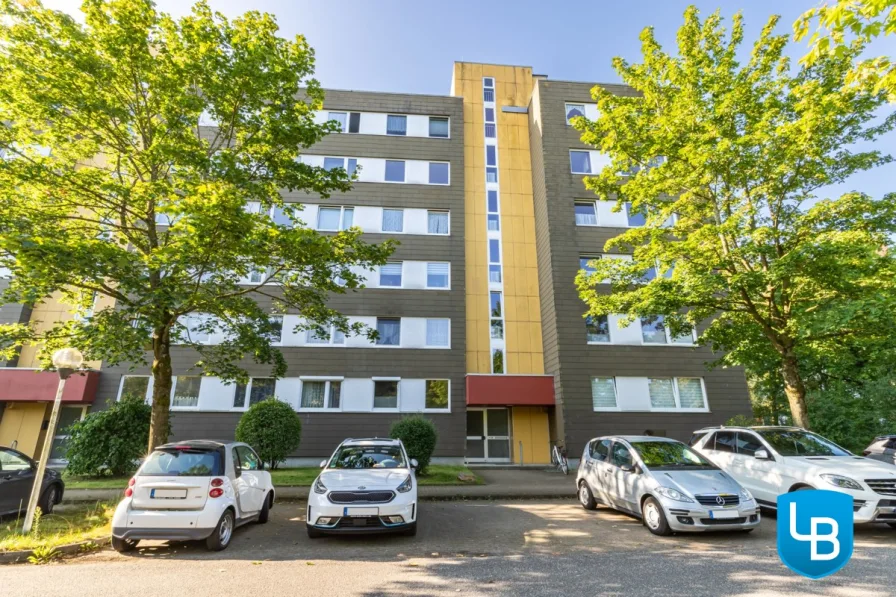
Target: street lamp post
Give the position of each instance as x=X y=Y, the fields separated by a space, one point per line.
x=66 y=361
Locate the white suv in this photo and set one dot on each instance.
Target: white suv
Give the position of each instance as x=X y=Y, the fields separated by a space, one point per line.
x=770 y=461
x=193 y=490
x=367 y=486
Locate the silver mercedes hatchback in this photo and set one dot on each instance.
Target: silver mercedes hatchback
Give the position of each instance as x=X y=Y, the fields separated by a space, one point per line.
x=668 y=485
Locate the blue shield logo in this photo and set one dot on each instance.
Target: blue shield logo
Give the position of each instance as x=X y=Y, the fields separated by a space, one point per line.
x=815 y=531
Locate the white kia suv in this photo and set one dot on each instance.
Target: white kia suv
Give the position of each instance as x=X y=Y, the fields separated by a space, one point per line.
x=770 y=461
x=193 y=490
x=367 y=486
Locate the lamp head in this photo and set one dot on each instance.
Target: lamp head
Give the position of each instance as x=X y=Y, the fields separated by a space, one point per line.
x=67 y=360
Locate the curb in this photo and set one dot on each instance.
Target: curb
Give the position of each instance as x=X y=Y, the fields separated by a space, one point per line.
x=21 y=557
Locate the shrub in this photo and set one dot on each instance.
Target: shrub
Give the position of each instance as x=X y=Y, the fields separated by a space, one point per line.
x=419 y=436
x=272 y=428
x=110 y=441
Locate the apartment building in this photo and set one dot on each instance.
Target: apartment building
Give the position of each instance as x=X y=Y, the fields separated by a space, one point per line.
x=481 y=329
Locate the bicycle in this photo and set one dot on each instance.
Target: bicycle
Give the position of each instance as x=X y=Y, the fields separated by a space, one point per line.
x=558 y=459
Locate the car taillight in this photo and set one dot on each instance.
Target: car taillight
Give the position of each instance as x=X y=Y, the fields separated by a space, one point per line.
x=217 y=482
x=216 y=492
x=132 y=481
x=128 y=492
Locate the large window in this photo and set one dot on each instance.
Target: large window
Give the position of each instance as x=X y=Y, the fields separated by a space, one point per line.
x=437 y=222
x=437 y=274
x=394 y=171
x=339 y=117
x=385 y=393
x=439 y=173
x=275 y=333
x=598 y=329
x=573 y=111
x=437 y=333
x=331 y=219
x=655 y=331
x=680 y=393
x=333 y=163
x=393 y=220
x=186 y=391
x=321 y=394
x=258 y=389
x=134 y=386
x=389 y=331
x=396 y=125
x=438 y=127
x=390 y=274
x=580 y=162
x=585 y=262
x=329 y=336
x=603 y=393
x=586 y=215
x=635 y=218
x=436 y=394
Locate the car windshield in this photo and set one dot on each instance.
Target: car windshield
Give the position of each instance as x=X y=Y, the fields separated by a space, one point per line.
x=795 y=442
x=183 y=463
x=668 y=455
x=368 y=457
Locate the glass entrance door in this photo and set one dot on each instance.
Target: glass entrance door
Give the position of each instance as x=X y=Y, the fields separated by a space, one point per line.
x=488 y=435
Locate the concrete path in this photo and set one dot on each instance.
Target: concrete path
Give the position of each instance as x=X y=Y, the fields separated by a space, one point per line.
x=499 y=483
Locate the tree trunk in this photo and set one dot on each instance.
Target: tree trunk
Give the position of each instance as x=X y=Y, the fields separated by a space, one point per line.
x=159 y=424
x=795 y=390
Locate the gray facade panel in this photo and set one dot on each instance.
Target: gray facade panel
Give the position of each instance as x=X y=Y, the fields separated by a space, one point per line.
x=11 y=313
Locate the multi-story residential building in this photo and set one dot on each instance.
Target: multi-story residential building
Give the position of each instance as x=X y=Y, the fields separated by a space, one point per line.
x=481 y=328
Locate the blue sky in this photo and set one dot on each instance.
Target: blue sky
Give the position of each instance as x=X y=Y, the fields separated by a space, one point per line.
x=410 y=45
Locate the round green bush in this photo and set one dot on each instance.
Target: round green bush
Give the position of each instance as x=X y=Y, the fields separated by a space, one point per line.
x=272 y=428
x=419 y=436
x=110 y=441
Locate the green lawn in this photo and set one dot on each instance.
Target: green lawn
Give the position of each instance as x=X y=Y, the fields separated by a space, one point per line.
x=289 y=477
x=70 y=523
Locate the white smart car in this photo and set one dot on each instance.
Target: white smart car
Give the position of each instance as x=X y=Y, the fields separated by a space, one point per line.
x=193 y=490
x=770 y=461
x=367 y=486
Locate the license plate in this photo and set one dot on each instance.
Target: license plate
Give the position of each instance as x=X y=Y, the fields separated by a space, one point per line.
x=360 y=511
x=723 y=513
x=168 y=494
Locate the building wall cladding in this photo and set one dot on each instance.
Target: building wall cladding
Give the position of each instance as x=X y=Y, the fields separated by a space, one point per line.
x=567 y=354
x=323 y=431
x=12 y=313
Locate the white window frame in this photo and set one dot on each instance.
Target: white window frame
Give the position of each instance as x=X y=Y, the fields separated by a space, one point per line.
x=566 y=111
x=397 y=395
x=593 y=205
x=383 y=220
x=668 y=333
x=147 y=398
x=597 y=409
x=379 y=275
x=438 y=211
x=429 y=120
x=341 y=225
x=344 y=123
x=174 y=392
x=248 y=392
x=437 y=410
x=328 y=380
x=376 y=344
x=331 y=341
x=428 y=287
x=491 y=364
x=386 y=166
x=405 y=134
x=571 y=151
x=438 y=184
x=426 y=334
x=675 y=393
x=609 y=333
x=594 y=257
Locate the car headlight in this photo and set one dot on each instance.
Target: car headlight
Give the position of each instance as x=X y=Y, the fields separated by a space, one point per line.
x=841 y=481
x=745 y=495
x=673 y=494
x=406 y=486
x=319 y=487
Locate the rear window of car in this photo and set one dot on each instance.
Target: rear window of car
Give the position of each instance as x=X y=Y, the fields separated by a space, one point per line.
x=183 y=462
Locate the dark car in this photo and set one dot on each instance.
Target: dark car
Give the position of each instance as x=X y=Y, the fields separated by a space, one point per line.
x=17 y=478
x=883 y=448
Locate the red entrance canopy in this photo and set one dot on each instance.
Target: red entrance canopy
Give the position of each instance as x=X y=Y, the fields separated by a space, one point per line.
x=510 y=390
x=28 y=385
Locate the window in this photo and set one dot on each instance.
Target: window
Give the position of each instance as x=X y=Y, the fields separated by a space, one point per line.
x=662 y=393
x=725 y=441
x=653 y=330
x=598 y=329
x=393 y=220
x=437 y=222
x=12 y=462
x=134 y=386
x=635 y=218
x=331 y=163
x=330 y=335
x=275 y=333
x=246 y=459
x=492 y=201
x=586 y=215
x=259 y=388
x=352 y=166
x=335 y=218
x=68 y=416
x=690 y=392
x=490 y=130
x=494 y=274
x=436 y=394
x=282 y=216
x=494 y=250
x=396 y=125
x=497 y=360
x=488 y=82
x=580 y=162
x=585 y=262
x=354 y=122
x=573 y=111
x=621 y=455
x=747 y=444
x=394 y=171
x=385 y=393
x=488 y=95
x=494 y=222
x=338 y=117
x=680 y=393
x=438 y=127
x=603 y=393
x=390 y=274
x=496 y=315
x=439 y=173
x=197 y=329
x=489 y=114
x=497 y=329
x=437 y=332
x=321 y=394
x=495 y=304
x=600 y=450
x=491 y=175
x=389 y=330
x=186 y=391
x=437 y=274
x=491 y=155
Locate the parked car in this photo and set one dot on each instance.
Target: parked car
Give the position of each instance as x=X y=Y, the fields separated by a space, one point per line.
x=770 y=461
x=16 y=480
x=665 y=483
x=367 y=485
x=193 y=490
x=883 y=448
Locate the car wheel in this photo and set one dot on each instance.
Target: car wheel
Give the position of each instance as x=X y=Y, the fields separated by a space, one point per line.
x=266 y=509
x=655 y=518
x=123 y=545
x=48 y=499
x=410 y=531
x=586 y=498
x=313 y=533
x=220 y=537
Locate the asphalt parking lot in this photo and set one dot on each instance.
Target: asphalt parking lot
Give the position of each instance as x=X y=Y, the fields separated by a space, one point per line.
x=551 y=547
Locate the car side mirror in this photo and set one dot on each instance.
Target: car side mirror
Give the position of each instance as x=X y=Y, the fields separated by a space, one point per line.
x=323 y=463
x=762 y=454
x=414 y=463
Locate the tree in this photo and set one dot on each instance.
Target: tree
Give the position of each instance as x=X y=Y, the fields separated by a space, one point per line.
x=863 y=20
x=419 y=436
x=145 y=161
x=272 y=428
x=723 y=160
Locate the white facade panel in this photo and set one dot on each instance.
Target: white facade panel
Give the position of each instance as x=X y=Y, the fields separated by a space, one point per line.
x=372 y=123
x=413 y=395
x=360 y=341
x=308 y=215
x=418 y=126
x=413 y=332
x=289 y=390
x=215 y=395
x=599 y=160
x=606 y=217
x=623 y=335
x=290 y=336
x=416 y=221
x=413 y=274
x=368 y=219
x=313 y=160
x=632 y=393
x=357 y=395
x=372 y=170
x=416 y=172
x=591 y=112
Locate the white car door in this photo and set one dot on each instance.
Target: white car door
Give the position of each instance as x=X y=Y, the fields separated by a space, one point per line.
x=764 y=475
x=721 y=449
x=249 y=481
x=598 y=469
